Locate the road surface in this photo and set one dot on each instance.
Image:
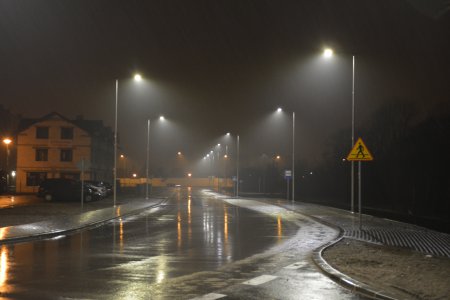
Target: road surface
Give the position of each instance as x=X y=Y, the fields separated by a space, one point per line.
x=194 y=245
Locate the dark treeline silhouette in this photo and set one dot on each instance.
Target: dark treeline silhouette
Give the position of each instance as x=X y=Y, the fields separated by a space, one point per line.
x=410 y=176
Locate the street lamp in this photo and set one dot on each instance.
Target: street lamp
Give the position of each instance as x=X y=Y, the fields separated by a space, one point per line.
x=293 y=153
x=328 y=53
x=7 y=141
x=161 y=118
x=237 y=162
x=137 y=78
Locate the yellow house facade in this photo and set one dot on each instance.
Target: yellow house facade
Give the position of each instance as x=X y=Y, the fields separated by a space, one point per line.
x=56 y=147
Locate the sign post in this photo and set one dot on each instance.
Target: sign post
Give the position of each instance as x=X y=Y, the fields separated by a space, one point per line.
x=359 y=153
x=82 y=165
x=82 y=182
x=287 y=176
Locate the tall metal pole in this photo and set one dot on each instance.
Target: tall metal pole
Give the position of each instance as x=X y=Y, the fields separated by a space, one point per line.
x=115 y=147
x=7 y=167
x=146 y=165
x=237 y=169
x=352 y=172
x=359 y=195
x=293 y=156
x=218 y=168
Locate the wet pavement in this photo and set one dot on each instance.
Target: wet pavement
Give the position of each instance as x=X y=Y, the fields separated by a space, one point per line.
x=188 y=246
x=185 y=244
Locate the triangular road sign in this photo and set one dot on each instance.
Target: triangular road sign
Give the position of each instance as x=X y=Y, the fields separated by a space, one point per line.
x=360 y=152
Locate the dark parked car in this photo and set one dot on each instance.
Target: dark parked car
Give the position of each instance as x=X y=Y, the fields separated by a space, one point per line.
x=66 y=189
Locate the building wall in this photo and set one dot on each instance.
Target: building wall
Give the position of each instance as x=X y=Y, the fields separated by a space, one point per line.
x=27 y=143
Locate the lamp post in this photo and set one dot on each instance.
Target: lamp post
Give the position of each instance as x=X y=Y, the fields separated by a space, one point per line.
x=138 y=78
x=7 y=141
x=147 y=161
x=293 y=156
x=328 y=53
x=218 y=167
x=237 y=167
x=148 y=155
x=279 y=110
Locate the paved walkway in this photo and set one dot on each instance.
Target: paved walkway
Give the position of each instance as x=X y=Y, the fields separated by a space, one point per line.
x=379 y=230
x=61 y=218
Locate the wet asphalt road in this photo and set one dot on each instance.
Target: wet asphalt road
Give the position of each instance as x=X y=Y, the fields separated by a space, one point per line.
x=192 y=245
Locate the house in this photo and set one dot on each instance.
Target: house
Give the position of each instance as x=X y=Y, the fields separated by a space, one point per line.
x=56 y=147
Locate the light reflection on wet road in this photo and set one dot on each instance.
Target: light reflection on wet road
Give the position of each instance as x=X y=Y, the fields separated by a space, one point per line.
x=187 y=234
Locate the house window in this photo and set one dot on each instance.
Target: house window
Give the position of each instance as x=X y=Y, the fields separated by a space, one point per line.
x=66 y=133
x=35 y=178
x=41 y=154
x=66 y=155
x=42 y=132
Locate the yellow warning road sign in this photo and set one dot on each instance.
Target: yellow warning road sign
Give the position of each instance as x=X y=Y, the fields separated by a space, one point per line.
x=360 y=152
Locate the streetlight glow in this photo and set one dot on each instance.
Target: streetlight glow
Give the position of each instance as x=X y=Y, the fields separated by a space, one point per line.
x=279 y=109
x=138 y=77
x=328 y=52
x=162 y=118
x=7 y=141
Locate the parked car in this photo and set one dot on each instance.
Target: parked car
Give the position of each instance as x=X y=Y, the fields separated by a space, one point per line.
x=104 y=188
x=66 y=189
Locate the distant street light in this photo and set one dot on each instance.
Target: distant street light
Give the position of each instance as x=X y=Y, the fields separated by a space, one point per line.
x=161 y=118
x=138 y=78
x=124 y=165
x=328 y=53
x=293 y=152
x=7 y=141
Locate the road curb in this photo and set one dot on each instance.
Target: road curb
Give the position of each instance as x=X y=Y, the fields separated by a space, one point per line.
x=346 y=281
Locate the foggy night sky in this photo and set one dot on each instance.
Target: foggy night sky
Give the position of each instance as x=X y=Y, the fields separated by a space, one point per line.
x=221 y=66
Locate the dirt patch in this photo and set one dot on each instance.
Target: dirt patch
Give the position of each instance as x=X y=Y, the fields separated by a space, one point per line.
x=402 y=273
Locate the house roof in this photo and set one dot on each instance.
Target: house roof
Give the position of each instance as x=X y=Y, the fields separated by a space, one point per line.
x=93 y=127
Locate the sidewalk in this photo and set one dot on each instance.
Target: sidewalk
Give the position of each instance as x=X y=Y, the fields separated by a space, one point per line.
x=380 y=231
x=19 y=222
x=384 y=259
